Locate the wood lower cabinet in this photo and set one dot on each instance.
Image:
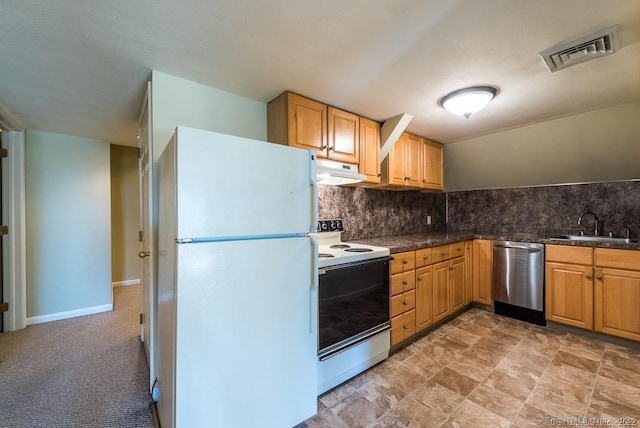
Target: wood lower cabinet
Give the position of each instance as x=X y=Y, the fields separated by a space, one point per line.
x=569 y=294
x=402 y=302
x=482 y=271
x=468 y=259
x=424 y=295
x=457 y=275
x=441 y=302
x=616 y=292
x=569 y=285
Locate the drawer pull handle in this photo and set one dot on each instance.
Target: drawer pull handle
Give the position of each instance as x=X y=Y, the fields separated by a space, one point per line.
x=405 y=283
x=405 y=261
x=406 y=327
x=443 y=253
x=405 y=303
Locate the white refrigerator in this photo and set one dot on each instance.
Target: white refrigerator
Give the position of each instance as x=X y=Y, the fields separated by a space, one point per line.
x=237 y=283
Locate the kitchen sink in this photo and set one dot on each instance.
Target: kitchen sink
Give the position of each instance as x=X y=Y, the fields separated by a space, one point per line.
x=595 y=238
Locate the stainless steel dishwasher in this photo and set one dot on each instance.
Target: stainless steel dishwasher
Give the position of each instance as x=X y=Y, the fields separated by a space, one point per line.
x=518 y=280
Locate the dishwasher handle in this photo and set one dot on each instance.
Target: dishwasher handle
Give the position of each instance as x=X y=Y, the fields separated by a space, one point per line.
x=518 y=247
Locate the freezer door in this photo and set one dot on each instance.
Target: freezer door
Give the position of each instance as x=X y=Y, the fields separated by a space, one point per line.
x=230 y=186
x=246 y=334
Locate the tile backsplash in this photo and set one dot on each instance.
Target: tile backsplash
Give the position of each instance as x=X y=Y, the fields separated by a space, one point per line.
x=547 y=208
x=369 y=213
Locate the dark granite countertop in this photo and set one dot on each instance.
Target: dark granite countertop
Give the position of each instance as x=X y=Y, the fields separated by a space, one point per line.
x=415 y=241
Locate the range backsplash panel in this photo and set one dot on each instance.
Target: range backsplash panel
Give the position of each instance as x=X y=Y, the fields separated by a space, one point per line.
x=547 y=209
x=369 y=213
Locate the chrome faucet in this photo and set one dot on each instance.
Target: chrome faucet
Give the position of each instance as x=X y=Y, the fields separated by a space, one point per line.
x=595 y=232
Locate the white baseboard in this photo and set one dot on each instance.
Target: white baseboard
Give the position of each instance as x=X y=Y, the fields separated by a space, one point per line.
x=125 y=283
x=69 y=314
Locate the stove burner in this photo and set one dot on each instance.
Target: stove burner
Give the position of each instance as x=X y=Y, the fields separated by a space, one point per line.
x=339 y=246
x=324 y=255
x=359 y=250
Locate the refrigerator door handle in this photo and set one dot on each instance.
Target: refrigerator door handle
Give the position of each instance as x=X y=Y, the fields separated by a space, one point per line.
x=314 y=262
x=313 y=290
x=313 y=183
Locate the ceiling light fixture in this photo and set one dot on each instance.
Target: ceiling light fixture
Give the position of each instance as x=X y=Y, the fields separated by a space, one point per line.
x=466 y=101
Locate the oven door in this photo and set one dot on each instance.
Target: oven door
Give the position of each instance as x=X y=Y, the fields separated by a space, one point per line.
x=353 y=303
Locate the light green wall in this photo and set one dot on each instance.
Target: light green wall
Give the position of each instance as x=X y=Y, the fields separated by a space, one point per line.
x=177 y=101
x=603 y=145
x=68 y=223
x=125 y=214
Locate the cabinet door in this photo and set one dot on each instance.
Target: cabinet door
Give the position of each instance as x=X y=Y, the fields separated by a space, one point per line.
x=369 y=164
x=468 y=259
x=482 y=271
x=344 y=135
x=569 y=294
x=457 y=283
x=413 y=167
x=424 y=294
x=307 y=124
x=441 y=301
x=396 y=162
x=617 y=302
x=432 y=165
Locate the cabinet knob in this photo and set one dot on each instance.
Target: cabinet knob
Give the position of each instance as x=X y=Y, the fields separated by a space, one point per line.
x=588 y=277
x=459 y=249
x=406 y=327
x=331 y=148
x=405 y=261
x=379 y=174
x=143 y=254
x=599 y=277
x=405 y=283
x=443 y=253
x=323 y=147
x=419 y=278
x=452 y=268
x=405 y=303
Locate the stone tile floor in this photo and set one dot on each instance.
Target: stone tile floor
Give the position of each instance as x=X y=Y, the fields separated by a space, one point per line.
x=485 y=370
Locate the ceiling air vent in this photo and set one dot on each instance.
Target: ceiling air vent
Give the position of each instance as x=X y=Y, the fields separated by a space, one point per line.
x=586 y=48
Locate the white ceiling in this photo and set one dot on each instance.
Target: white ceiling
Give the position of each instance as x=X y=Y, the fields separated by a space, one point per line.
x=80 y=67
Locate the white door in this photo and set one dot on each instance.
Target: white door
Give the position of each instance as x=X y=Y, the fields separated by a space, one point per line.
x=147 y=258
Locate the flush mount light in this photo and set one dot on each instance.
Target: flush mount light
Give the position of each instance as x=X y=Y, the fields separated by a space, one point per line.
x=466 y=101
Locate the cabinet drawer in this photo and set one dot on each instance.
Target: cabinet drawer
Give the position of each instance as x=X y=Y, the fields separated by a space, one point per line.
x=403 y=282
x=441 y=253
x=403 y=326
x=457 y=249
x=424 y=257
x=402 y=262
x=403 y=302
x=567 y=254
x=621 y=259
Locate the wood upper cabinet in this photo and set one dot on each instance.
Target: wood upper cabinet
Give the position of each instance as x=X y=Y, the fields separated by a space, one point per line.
x=402 y=168
x=424 y=294
x=432 y=170
x=343 y=142
x=616 y=291
x=569 y=294
x=369 y=164
x=482 y=271
x=300 y=122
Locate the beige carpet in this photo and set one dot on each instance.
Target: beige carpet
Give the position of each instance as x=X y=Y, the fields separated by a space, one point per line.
x=88 y=371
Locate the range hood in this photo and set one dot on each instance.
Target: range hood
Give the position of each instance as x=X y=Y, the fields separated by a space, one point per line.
x=332 y=172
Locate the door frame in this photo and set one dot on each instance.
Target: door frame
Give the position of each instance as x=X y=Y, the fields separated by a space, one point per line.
x=14 y=266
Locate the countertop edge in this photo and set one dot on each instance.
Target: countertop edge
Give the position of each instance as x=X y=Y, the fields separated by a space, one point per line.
x=416 y=241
